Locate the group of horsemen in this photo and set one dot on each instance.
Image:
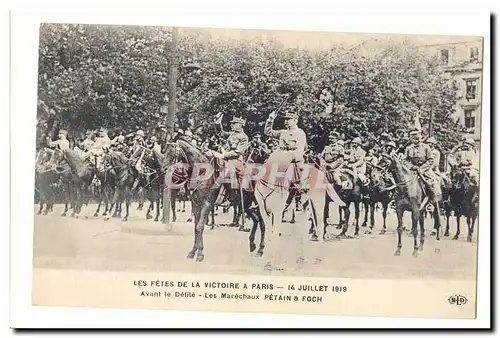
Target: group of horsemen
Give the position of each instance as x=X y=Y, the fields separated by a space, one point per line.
x=337 y=157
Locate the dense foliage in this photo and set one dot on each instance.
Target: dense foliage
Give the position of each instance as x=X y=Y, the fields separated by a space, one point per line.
x=117 y=77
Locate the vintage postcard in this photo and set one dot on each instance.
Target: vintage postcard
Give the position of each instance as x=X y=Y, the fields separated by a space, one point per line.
x=266 y=171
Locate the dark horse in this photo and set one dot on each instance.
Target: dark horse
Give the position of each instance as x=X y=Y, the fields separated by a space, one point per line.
x=464 y=201
x=410 y=196
x=202 y=185
x=46 y=178
x=125 y=177
x=349 y=195
x=83 y=171
x=380 y=190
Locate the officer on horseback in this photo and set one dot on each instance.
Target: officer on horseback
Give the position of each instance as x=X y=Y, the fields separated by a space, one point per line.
x=292 y=143
x=236 y=145
x=419 y=155
x=464 y=159
x=436 y=157
x=332 y=161
x=356 y=160
x=62 y=143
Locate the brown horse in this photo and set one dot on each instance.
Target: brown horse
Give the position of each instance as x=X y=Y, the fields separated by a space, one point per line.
x=410 y=196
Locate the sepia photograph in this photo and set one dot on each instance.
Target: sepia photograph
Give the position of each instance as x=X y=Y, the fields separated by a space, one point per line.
x=277 y=171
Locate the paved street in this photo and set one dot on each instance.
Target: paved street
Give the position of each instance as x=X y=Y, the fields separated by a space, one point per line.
x=143 y=245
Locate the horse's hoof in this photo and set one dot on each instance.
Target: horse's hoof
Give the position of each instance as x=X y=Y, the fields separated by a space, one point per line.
x=246 y=230
x=398 y=252
x=156 y=219
x=421 y=247
x=469 y=238
x=183 y=210
x=200 y=258
x=259 y=253
x=446 y=234
x=368 y=232
x=241 y=228
x=339 y=226
x=268 y=267
x=106 y=218
x=149 y=216
x=455 y=237
x=72 y=215
x=292 y=221
x=356 y=234
x=190 y=255
x=39 y=213
x=63 y=214
x=252 y=247
x=45 y=213
x=314 y=238
x=189 y=219
x=363 y=225
x=96 y=215
x=174 y=219
x=105 y=214
x=124 y=219
x=415 y=253
x=77 y=217
x=382 y=232
x=178 y=210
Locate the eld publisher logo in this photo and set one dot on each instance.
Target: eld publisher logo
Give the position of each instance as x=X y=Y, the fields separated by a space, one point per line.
x=457 y=300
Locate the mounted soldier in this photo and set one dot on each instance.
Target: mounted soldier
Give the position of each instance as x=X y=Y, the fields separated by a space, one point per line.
x=292 y=144
x=420 y=156
x=332 y=161
x=356 y=160
x=62 y=143
x=465 y=159
x=259 y=151
x=236 y=145
x=436 y=157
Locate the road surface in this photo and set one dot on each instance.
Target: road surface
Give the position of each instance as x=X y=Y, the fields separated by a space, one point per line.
x=143 y=245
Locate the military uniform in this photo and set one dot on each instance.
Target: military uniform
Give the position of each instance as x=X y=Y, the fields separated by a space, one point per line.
x=292 y=142
x=332 y=160
x=421 y=157
x=357 y=160
x=465 y=160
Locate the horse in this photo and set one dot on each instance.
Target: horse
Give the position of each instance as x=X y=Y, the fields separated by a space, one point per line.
x=271 y=195
x=464 y=201
x=125 y=178
x=45 y=179
x=380 y=190
x=83 y=171
x=106 y=176
x=410 y=195
x=203 y=186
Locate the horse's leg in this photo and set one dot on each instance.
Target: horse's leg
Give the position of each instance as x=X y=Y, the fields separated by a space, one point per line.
x=326 y=213
x=356 y=216
x=173 y=198
x=448 y=214
x=458 y=214
x=366 y=203
x=385 y=206
x=196 y=215
x=437 y=220
x=126 y=196
x=470 y=222
x=415 y=212
x=99 y=201
x=251 y=237
x=183 y=206
x=341 y=217
x=347 y=214
x=200 y=227
x=287 y=205
x=399 y=215
x=421 y=221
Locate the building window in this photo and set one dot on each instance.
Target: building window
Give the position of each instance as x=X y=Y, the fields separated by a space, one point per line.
x=470 y=119
x=470 y=89
x=445 y=56
x=474 y=54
